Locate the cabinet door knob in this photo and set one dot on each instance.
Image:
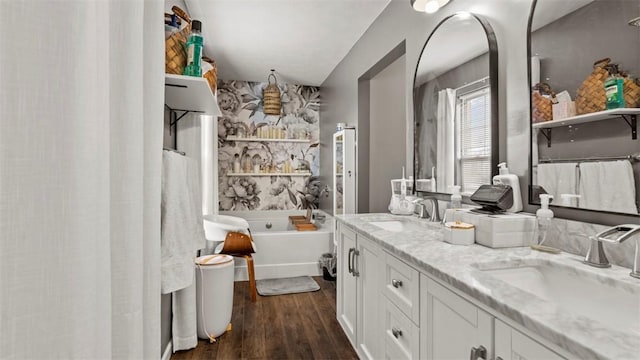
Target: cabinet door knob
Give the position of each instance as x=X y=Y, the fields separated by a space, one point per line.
x=396 y=332
x=479 y=352
x=396 y=283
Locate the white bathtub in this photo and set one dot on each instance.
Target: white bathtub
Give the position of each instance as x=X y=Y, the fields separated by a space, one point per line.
x=281 y=250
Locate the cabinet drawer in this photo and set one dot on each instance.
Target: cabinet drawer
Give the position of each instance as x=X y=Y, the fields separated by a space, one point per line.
x=401 y=335
x=402 y=286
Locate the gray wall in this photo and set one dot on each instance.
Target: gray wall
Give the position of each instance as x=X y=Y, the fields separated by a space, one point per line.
x=569 y=46
x=571 y=40
x=387 y=137
x=399 y=22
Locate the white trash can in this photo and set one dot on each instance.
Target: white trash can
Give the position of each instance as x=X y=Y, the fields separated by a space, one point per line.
x=214 y=294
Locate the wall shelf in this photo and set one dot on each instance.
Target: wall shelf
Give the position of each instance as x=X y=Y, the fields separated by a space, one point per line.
x=270 y=174
x=629 y=115
x=255 y=139
x=188 y=94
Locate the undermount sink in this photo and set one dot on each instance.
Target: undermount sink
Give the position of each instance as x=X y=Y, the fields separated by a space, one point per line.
x=397 y=225
x=600 y=298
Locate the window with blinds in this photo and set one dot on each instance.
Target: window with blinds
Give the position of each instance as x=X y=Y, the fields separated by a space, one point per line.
x=474 y=139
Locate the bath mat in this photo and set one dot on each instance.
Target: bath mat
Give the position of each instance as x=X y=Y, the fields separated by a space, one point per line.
x=292 y=285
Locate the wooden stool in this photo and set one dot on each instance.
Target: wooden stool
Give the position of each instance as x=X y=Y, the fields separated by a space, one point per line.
x=253 y=292
x=240 y=245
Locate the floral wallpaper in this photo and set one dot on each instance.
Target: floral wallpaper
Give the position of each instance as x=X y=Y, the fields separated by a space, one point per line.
x=242 y=108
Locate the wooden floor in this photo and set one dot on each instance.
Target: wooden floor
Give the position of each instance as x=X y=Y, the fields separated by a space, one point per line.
x=295 y=326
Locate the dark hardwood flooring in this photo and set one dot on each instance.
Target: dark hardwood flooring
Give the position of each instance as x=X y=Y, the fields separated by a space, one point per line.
x=294 y=326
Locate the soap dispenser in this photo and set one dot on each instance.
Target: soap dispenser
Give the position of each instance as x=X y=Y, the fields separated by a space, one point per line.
x=505 y=178
x=544 y=216
x=456 y=198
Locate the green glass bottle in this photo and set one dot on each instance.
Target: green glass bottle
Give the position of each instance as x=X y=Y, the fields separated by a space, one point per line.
x=614 y=89
x=194 y=50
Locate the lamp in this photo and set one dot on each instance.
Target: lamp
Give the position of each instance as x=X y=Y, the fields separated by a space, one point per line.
x=428 y=6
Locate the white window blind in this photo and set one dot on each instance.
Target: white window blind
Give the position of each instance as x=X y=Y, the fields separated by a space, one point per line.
x=474 y=139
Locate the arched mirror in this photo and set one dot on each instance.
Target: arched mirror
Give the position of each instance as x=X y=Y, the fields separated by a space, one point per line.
x=585 y=150
x=455 y=96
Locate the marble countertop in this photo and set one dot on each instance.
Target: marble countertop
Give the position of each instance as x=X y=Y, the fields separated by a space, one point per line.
x=423 y=247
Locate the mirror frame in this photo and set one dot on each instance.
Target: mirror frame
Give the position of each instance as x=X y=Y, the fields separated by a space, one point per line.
x=493 y=83
x=585 y=215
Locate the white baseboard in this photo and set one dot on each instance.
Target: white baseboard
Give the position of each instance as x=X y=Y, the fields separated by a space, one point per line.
x=167 y=351
x=278 y=271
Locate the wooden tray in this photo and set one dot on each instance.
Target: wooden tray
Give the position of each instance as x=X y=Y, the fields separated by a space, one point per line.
x=306 y=227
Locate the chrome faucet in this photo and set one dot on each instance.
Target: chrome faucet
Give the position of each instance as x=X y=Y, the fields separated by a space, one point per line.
x=422 y=211
x=596 y=255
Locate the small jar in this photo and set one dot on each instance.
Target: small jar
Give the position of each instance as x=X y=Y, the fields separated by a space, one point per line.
x=236 y=163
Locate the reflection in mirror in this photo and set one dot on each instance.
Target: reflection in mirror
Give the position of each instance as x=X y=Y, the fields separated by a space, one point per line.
x=585 y=101
x=455 y=101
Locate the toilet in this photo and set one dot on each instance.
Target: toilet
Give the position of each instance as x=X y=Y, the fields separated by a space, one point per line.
x=214 y=294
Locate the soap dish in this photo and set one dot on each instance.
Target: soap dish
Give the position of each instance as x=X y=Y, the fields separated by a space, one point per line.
x=546 y=249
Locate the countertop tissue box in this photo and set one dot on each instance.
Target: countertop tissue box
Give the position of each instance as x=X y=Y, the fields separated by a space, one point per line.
x=564 y=108
x=498 y=230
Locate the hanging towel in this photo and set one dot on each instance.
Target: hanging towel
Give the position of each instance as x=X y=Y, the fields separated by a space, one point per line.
x=184 y=324
x=181 y=222
x=608 y=186
x=557 y=179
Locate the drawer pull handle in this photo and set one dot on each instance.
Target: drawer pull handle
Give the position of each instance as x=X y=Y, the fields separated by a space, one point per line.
x=396 y=283
x=498 y=358
x=350 y=262
x=479 y=352
x=396 y=332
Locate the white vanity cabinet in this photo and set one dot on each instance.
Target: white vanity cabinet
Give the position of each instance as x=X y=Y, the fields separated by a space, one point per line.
x=510 y=344
x=358 y=291
x=388 y=309
x=452 y=327
x=400 y=327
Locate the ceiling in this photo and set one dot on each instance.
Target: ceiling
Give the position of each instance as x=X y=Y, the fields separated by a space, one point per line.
x=303 y=40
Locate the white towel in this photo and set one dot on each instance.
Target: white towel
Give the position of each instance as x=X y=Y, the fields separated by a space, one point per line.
x=182 y=230
x=608 y=186
x=184 y=324
x=557 y=179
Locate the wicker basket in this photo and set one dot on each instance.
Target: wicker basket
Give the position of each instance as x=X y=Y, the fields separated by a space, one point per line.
x=631 y=92
x=271 y=97
x=212 y=74
x=542 y=106
x=591 y=96
x=175 y=54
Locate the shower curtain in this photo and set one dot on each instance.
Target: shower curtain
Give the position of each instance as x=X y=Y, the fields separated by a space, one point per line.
x=446 y=140
x=81 y=112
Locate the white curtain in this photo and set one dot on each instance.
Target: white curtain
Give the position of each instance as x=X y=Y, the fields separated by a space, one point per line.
x=81 y=98
x=446 y=140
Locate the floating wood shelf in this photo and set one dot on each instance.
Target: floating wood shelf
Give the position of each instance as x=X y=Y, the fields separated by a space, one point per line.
x=270 y=174
x=255 y=139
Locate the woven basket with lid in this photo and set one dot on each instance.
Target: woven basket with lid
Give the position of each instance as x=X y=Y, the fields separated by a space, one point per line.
x=631 y=92
x=591 y=96
x=542 y=106
x=175 y=53
x=212 y=74
x=271 y=97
